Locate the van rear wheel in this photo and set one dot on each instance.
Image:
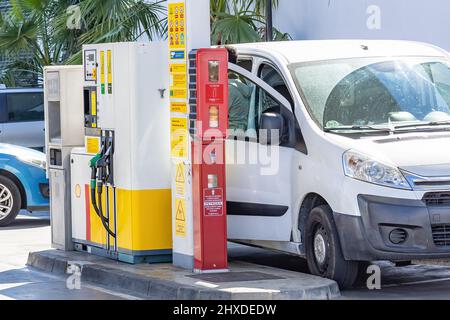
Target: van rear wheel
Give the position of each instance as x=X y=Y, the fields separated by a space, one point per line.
x=323 y=250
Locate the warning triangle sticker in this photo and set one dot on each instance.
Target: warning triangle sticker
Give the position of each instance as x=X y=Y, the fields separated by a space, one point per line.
x=180 y=212
x=180 y=174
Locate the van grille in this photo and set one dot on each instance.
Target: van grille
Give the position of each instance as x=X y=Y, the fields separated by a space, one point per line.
x=433 y=199
x=441 y=234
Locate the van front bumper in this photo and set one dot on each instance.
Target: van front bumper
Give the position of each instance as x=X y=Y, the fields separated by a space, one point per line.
x=425 y=230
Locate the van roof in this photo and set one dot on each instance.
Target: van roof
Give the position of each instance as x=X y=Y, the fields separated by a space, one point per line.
x=317 y=50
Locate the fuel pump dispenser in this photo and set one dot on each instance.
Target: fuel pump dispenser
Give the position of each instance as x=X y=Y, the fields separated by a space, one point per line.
x=121 y=202
x=63 y=95
x=149 y=183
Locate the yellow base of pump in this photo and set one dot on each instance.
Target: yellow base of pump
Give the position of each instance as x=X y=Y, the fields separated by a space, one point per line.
x=142 y=223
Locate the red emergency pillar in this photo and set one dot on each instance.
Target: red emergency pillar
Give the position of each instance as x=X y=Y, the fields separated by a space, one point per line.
x=210 y=113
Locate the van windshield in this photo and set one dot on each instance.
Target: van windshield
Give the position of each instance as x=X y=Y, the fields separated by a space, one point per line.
x=376 y=93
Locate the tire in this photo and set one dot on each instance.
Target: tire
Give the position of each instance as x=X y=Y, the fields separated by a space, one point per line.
x=10 y=201
x=323 y=249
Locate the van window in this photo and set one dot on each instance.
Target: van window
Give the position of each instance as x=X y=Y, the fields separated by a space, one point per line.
x=273 y=78
x=343 y=95
x=246 y=64
x=247 y=103
x=24 y=107
x=241 y=101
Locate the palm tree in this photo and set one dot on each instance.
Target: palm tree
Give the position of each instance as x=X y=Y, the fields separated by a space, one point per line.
x=237 y=21
x=39 y=29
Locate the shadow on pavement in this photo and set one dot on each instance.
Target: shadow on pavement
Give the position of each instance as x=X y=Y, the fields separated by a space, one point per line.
x=413 y=281
x=26 y=284
x=267 y=257
x=27 y=222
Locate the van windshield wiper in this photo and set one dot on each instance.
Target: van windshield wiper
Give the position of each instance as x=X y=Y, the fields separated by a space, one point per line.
x=426 y=124
x=359 y=128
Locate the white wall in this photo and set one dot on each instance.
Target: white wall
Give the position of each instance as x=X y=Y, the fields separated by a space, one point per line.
x=421 y=20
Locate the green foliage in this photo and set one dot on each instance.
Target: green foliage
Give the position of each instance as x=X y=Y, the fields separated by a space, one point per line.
x=35 y=33
x=240 y=21
x=38 y=29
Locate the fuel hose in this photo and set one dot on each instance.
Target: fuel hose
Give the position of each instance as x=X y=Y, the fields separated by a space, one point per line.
x=98 y=184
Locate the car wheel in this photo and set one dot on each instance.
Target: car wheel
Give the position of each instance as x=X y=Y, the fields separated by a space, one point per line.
x=10 y=201
x=323 y=250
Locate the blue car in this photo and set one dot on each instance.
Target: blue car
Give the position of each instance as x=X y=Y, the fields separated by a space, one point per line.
x=23 y=182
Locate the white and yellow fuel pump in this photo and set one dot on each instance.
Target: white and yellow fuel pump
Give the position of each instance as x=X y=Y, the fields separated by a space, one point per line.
x=121 y=179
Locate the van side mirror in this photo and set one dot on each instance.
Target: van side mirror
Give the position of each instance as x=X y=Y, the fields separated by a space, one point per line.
x=272 y=126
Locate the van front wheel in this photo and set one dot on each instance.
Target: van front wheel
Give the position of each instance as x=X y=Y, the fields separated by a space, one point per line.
x=323 y=250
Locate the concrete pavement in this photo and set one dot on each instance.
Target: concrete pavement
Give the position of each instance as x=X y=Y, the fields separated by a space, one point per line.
x=245 y=281
x=18 y=282
x=422 y=281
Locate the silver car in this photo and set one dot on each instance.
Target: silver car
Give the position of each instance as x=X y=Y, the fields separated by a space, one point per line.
x=22 y=117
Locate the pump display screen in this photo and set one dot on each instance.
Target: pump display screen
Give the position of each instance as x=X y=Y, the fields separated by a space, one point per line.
x=90 y=65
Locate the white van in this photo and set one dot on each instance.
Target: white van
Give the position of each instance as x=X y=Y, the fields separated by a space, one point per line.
x=364 y=156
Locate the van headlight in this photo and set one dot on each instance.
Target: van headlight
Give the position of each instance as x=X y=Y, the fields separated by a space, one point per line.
x=361 y=167
x=34 y=161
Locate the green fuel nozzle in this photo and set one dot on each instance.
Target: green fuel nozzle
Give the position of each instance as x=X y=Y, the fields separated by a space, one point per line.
x=93 y=165
x=94 y=160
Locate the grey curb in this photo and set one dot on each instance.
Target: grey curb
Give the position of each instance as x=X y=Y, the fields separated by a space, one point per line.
x=157 y=288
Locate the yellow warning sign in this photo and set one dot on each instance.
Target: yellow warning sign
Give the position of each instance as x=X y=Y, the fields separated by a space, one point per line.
x=178 y=107
x=180 y=180
x=179 y=80
x=178 y=93
x=178 y=68
x=180 y=217
x=92 y=145
x=179 y=138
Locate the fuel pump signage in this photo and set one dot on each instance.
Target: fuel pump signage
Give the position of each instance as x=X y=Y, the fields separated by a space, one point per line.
x=213 y=202
x=178 y=107
x=180 y=217
x=177 y=26
x=110 y=76
x=102 y=72
x=180 y=180
x=178 y=79
x=180 y=152
x=179 y=137
x=188 y=29
x=90 y=65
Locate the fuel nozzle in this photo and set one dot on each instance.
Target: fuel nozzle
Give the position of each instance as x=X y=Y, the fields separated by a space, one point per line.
x=93 y=165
